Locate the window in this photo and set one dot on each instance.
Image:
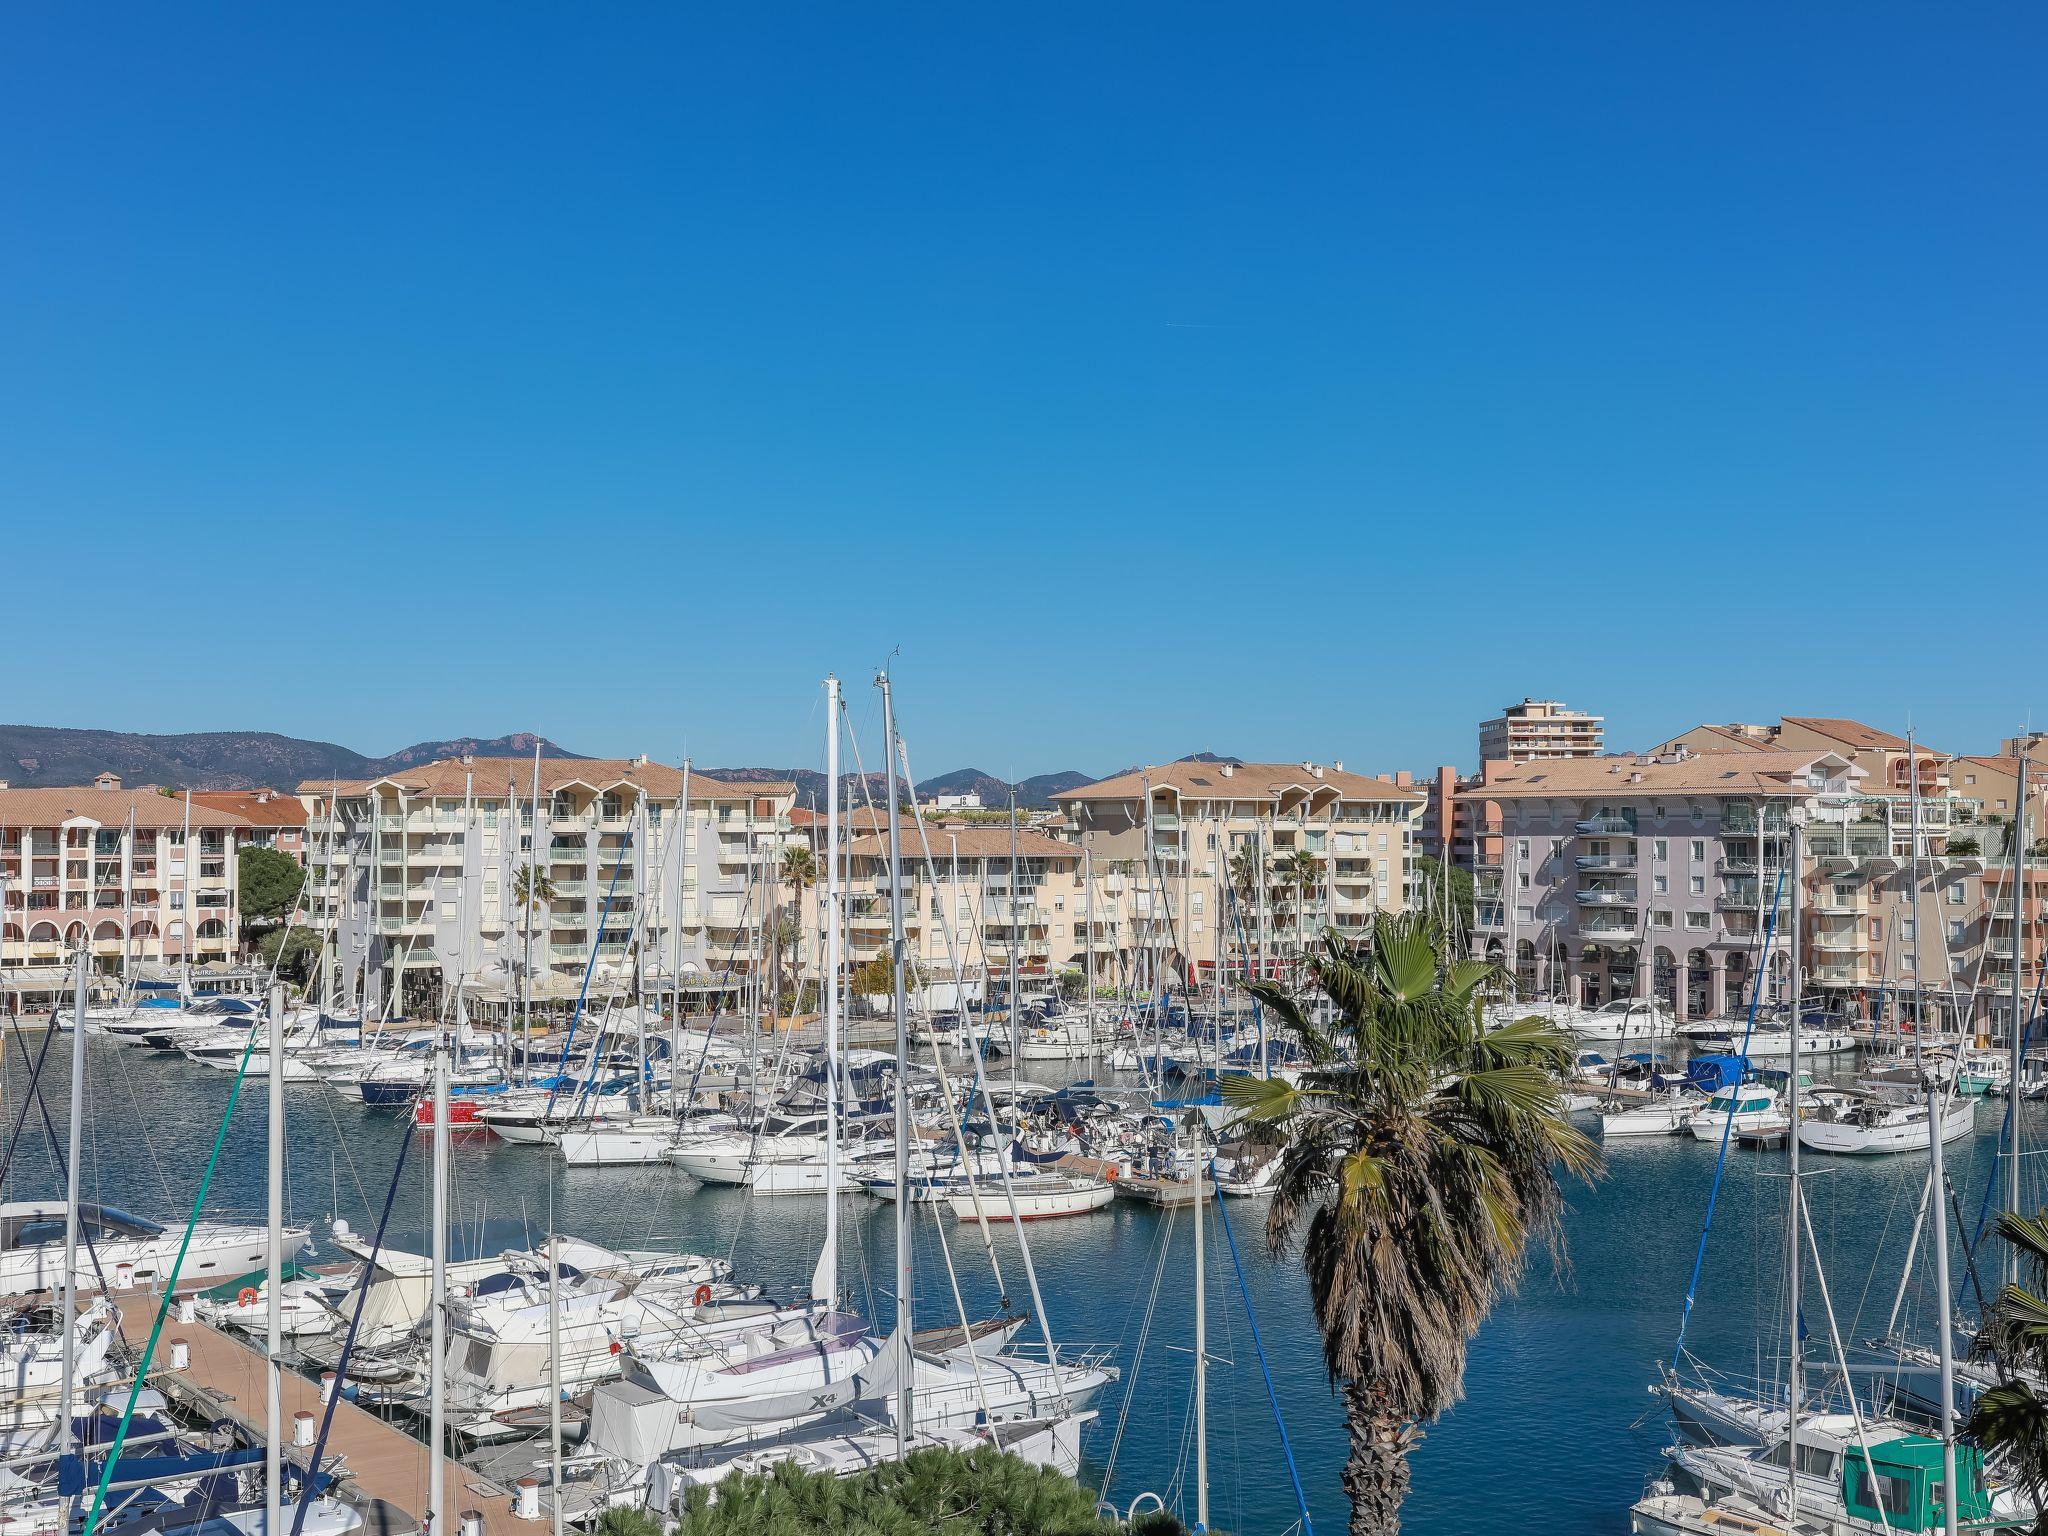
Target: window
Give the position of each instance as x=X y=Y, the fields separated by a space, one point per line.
x=1956 y=928
x=1877 y=930
x=1660 y=884
x=1906 y=930
x=177 y=901
x=1955 y=895
x=1660 y=919
x=1522 y=849
x=1699 y=850
x=1525 y=914
x=1696 y=921
x=1660 y=849
x=1059 y=903
x=1383 y=842
x=1697 y=885
x=1522 y=879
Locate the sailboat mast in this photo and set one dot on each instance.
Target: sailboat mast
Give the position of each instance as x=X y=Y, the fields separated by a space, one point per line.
x=1795 y=1368
x=2018 y=1030
x=437 y=1302
x=906 y=1361
x=273 y=1281
x=825 y=1279
x=675 y=941
x=1016 y=928
x=1201 y=1338
x=69 y=1320
x=1936 y=1175
x=1088 y=910
x=554 y=1362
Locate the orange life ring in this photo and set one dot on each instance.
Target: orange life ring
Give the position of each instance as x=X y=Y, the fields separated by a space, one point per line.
x=246 y=1297
x=1111 y=1173
x=703 y=1295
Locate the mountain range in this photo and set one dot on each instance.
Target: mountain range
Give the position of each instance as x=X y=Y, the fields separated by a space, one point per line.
x=36 y=755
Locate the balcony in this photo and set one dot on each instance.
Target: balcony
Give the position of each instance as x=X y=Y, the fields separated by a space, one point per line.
x=575 y=821
x=1595 y=863
x=1606 y=899
x=1609 y=932
x=1840 y=942
x=1607 y=826
x=1833 y=975
x=1735 y=866
x=1738 y=899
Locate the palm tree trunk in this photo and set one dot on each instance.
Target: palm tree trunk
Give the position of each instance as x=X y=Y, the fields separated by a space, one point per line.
x=1376 y=1475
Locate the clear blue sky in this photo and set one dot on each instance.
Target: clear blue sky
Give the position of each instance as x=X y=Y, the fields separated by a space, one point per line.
x=1287 y=381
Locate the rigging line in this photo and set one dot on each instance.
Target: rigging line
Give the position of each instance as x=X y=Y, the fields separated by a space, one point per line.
x=1123 y=1418
x=57 y=1158
x=163 y=1309
x=1265 y=1370
x=1759 y=977
x=21 y=1118
x=308 y=1484
x=1002 y=1164
x=589 y=966
x=1970 y=1279
x=2012 y=1109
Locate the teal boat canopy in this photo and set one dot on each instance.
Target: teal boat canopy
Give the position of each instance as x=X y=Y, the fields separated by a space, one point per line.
x=1908 y=1476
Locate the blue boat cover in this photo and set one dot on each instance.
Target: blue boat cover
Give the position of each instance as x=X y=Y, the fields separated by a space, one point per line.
x=1708 y=1073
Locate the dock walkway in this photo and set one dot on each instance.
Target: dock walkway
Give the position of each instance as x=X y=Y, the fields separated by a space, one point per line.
x=225 y=1379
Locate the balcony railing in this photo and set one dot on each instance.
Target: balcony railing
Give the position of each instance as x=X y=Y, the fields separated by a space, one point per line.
x=1593 y=863
x=1609 y=826
x=1605 y=899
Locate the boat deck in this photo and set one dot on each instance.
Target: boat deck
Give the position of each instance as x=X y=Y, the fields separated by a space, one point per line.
x=385 y=1469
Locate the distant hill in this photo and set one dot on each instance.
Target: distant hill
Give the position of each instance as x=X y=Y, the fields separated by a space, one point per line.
x=32 y=755
x=1033 y=793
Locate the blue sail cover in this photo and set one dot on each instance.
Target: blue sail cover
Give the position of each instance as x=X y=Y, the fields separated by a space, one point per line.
x=72 y=1479
x=1708 y=1073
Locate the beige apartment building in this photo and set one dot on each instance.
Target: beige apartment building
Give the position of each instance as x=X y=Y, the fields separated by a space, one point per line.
x=970 y=903
x=416 y=877
x=138 y=876
x=1864 y=936
x=1539 y=730
x=1187 y=865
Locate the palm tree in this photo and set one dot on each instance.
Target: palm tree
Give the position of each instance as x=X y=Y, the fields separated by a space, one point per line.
x=1303 y=872
x=2012 y=1414
x=532 y=890
x=799 y=869
x=1420 y=1155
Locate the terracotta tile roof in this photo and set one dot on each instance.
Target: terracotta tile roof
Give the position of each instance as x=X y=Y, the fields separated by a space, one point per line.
x=257 y=807
x=1242 y=781
x=492 y=774
x=1707 y=773
x=854 y=819
x=108 y=807
x=973 y=843
x=1728 y=738
x=1852 y=733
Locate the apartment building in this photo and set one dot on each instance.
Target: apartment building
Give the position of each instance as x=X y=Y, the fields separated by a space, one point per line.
x=1638 y=877
x=270 y=817
x=1539 y=730
x=1657 y=876
x=1205 y=862
x=1887 y=759
x=421 y=877
x=971 y=902
x=138 y=876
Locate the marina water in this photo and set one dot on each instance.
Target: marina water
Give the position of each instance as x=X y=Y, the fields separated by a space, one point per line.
x=1557 y=1429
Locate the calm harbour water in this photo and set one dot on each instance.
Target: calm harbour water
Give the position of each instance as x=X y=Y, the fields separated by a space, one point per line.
x=1556 y=1427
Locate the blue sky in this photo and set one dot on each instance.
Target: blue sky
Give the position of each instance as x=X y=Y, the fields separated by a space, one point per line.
x=1157 y=377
